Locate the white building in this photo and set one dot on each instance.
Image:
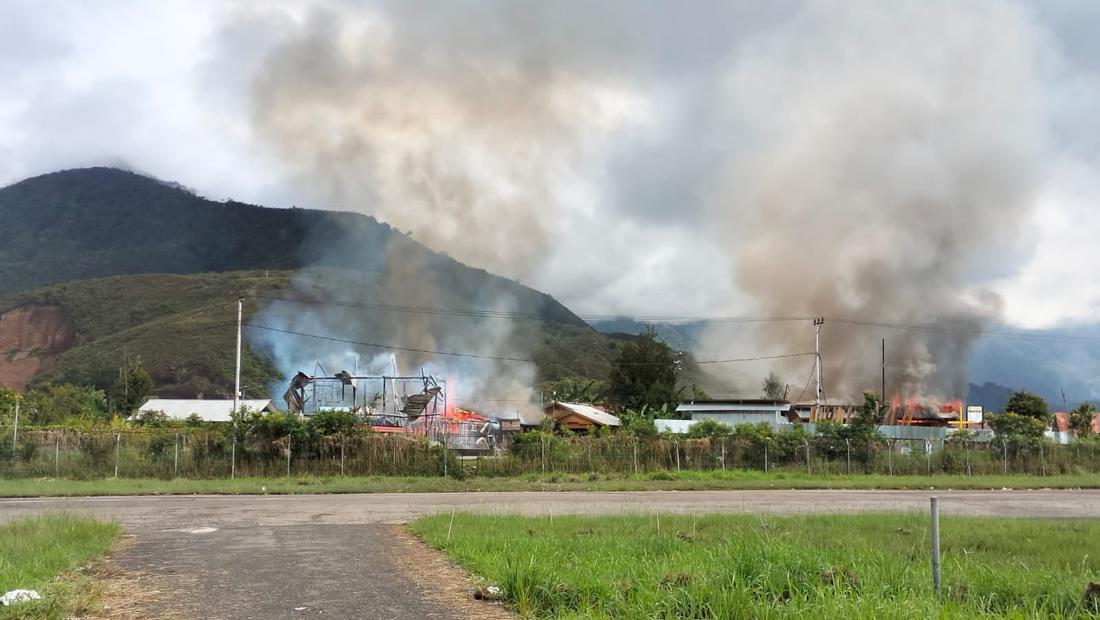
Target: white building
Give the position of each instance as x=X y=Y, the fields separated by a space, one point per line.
x=734 y=412
x=208 y=410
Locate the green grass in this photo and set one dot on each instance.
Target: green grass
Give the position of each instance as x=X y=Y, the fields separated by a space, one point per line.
x=865 y=566
x=35 y=552
x=657 y=481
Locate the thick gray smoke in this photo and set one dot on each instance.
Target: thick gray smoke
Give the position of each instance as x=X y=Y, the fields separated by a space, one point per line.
x=856 y=161
x=883 y=158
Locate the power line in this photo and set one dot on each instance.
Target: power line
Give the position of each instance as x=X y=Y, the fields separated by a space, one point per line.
x=391 y=347
x=808 y=380
x=501 y=314
x=500 y=357
x=963 y=330
x=508 y=315
x=754 y=359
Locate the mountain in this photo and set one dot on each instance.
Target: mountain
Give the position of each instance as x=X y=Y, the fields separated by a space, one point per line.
x=101 y=265
x=95 y=222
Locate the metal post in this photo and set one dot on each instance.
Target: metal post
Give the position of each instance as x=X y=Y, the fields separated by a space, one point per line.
x=677 y=445
x=765 y=457
x=118 y=443
x=817 y=367
x=807 y=458
x=176 y=457
x=237 y=379
x=1004 y=444
x=936 y=544
x=848 y=445
x=890 y=457
x=542 y=445
x=57 y=456
x=288 y=448
x=966 y=446
x=1042 y=458
x=342 y=439
x=635 y=456
x=724 y=455
x=236 y=391
x=928 y=454
x=15 y=428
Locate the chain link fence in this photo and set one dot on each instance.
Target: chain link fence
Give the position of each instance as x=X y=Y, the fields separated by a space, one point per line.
x=158 y=453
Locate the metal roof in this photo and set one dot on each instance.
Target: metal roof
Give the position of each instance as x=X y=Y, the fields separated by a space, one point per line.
x=588 y=412
x=208 y=410
x=733 y=406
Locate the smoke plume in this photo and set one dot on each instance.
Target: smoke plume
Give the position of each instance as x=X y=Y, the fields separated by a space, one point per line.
x=862 y=162
x=884 y=158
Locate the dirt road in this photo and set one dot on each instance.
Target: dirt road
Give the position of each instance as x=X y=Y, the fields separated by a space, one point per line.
x=341 y=555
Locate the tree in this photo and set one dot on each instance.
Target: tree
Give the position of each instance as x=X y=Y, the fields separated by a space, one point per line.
x=1080 y=419
x=1014 y=426
x=132 y=387
x=576 y=390
x=54 y=404
x=644 y=374
x=326 y=423
x=1027 y=404
x=709 y=428
x=773 y=387
x=870 y=414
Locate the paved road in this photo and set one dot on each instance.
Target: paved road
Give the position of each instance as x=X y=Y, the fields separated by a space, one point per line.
x=293 y=556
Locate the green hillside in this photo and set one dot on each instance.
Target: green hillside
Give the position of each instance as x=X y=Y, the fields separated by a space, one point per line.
x=141 y=268
x=182 y=327
x=96 y=222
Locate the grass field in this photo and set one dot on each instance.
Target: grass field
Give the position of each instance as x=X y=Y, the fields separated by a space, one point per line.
x=866 y=566
x=34 y=552
x=658 y=481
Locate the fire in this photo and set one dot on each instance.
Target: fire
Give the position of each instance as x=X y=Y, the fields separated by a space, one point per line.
x=923 y=410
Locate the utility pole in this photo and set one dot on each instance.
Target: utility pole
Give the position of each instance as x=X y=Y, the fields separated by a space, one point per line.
x=817 y=349
x=236 y=390
x=15 y=428
x=237 y=380
x=883 y=371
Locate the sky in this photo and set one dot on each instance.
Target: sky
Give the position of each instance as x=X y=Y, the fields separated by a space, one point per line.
x=615 y=154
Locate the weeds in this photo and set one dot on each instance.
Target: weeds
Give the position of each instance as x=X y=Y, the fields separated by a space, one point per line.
x=733 y=567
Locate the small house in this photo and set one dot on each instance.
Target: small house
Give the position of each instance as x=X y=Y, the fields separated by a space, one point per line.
x=580 y=417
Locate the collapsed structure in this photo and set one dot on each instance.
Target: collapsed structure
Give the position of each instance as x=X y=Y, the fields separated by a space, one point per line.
x=412 y=405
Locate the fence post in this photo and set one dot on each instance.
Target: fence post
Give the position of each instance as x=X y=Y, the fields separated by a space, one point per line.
x=1004 y=444
x=57 y=456
x=723 y=444
x=542 y=445
x=765 y=456
x=118 y=444
x=966 y=446
x=936 y=544
x=1042 y=458
x=928 y=454
x=342 y=439
x=677 y=445
x=807 y=442
x=890 y=457
x=848 y=445
x=288 y=447
x=635 y=456
x=233 y=457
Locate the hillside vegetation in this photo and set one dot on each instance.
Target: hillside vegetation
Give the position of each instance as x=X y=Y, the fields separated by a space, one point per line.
x=145 y=269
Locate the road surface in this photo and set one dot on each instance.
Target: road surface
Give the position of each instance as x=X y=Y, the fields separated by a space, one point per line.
x=343 y=556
